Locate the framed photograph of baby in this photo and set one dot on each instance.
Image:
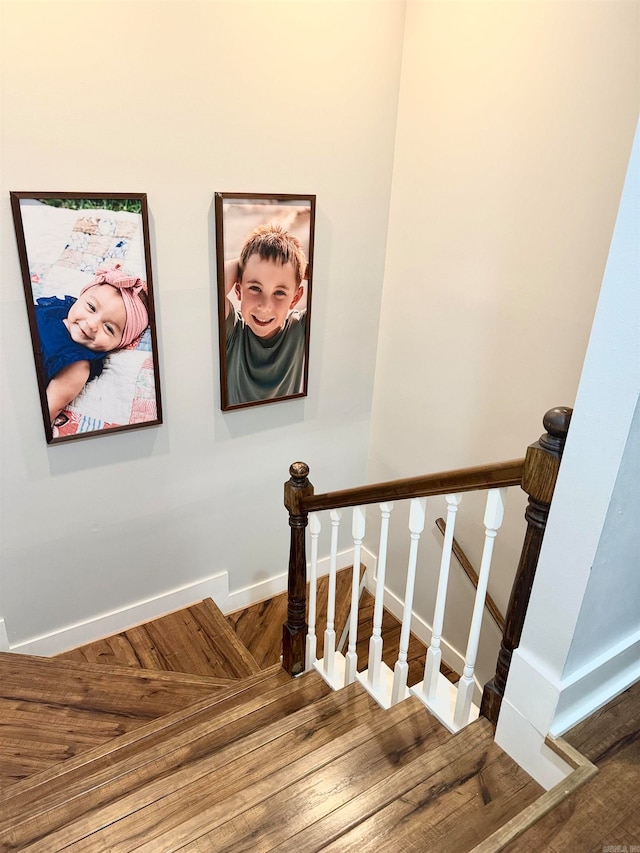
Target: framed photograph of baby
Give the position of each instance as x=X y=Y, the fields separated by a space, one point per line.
x=264 y=248
x=86 y=271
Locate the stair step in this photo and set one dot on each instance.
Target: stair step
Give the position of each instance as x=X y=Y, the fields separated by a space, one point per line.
x=69 y=707
x=260 y=626
x=283 y=803
x=197 y=639
x=153 y=753
x=206 y=752
x=449 y=799
x=34 y=676
x=235 y=794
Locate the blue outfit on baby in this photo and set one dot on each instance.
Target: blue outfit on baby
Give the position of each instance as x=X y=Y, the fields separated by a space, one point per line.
x=57 y=347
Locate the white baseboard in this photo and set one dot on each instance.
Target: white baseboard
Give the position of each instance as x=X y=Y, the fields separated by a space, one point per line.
x=72 y=636
x=521 y=740
x=4 y=639
x=113 y=622
x=537 y=703
x=240 y=598
x=593 y=685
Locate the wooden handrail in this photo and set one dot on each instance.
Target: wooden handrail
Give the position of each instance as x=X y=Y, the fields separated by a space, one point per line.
x=471 y=573
x=536 y=473
x=494 y=476
x=300 y=500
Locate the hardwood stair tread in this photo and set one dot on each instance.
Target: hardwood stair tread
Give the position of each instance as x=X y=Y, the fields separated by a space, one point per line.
x=147 y=811
x=265 y=644
x=314 y=785
x=70 y=707
x=351 y=770
x=162 y=747
x=253 y=761
x=361 y=761
x=23 y=664
x=469 y=786
x=197 y=639
x=36 y=786
x=338 y=723
x=84 y=698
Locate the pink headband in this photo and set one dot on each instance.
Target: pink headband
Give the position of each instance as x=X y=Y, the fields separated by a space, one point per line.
x=130 y=288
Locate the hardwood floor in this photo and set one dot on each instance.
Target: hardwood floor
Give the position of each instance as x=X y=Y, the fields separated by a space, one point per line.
x=52 y=710
x=154 y=670
x=215 y=748
x=102 y=754
x=195 y=640
x=296 y=768
x=260 y=629
x=604 y=814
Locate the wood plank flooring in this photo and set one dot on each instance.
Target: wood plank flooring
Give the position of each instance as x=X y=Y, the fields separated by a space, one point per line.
x=605 y=812
x=51 y=710
x=165 y=756
x=216 y=749
x=322 y=775
x=154 y=669
x=195 y=639
x=260 y=629
x=449 y=799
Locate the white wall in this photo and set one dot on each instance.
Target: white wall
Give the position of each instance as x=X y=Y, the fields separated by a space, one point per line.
x=610 y=610
x=515 y=124
x=179 y=100
x=581 y=641
x=508 y=153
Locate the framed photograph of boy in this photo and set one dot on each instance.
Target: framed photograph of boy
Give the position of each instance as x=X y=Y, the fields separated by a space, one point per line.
x=264 y=248
x=86 y=271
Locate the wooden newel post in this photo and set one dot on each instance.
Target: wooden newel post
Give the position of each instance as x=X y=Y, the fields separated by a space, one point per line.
x=294 y=630
x=541 y=466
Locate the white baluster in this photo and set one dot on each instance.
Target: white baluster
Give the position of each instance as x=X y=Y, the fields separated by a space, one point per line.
x=434 y=654
x=416 y=526
x=494 y=513
x=375 y=643
x=329 y=653
x=351 y=658
x=314 y=529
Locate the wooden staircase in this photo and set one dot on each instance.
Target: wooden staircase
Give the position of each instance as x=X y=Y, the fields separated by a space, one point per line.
x=105 y=757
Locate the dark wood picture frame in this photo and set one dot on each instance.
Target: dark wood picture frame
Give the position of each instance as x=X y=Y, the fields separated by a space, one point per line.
x=63 y=240
x=264 y=347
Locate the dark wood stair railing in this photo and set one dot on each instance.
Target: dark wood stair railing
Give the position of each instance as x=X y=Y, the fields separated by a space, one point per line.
x=300 y=500
x=536 y=473
x=541 y=467
x=294 y=630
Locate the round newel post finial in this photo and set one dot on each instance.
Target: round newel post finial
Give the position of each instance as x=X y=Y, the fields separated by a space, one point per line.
x=299 y=470
x=556 y=422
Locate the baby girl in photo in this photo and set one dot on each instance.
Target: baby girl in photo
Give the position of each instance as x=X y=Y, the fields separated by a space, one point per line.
x=76 y=335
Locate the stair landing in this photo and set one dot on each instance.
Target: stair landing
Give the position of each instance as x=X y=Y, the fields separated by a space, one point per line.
x=206 y=752
x=196 y=639
x=112 y=757
x=52 y=709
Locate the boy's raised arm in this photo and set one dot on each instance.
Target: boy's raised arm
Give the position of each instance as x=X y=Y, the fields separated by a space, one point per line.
x=65 y=386
x=231 y=275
